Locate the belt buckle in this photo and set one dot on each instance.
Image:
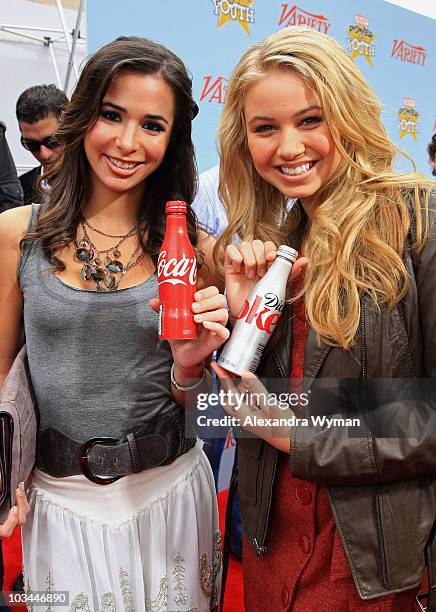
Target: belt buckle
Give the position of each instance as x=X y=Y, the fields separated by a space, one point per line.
x=84 y=465
x=420 y=598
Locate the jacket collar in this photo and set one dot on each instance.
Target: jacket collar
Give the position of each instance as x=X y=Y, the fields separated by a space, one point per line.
x=315 y=354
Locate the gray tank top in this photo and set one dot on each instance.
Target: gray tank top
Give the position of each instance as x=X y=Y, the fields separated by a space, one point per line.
x=96 y=362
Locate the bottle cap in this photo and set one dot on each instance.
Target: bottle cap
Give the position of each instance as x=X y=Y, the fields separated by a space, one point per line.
x=175 y=206
x=287 y=253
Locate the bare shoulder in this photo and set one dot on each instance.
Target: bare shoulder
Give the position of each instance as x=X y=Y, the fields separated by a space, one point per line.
x=206 y=242
x=13 y=224
x=205 y=245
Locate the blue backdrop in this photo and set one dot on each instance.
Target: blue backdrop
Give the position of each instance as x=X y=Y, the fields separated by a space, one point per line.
x=394 y=48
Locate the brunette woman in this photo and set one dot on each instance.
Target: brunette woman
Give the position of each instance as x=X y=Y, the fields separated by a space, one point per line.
x=78 y=275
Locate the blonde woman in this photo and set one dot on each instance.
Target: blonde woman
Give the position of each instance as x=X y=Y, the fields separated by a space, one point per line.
x=333 y=520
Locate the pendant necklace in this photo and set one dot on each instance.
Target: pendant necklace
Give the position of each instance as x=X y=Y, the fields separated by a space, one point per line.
x=104 y=266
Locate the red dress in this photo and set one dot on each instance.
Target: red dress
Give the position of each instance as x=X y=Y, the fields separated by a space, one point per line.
x=305 y=568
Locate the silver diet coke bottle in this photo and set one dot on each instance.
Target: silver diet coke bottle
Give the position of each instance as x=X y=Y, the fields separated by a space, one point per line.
x=258 y=317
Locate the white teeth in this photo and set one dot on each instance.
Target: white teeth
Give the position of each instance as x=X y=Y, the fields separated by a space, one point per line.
x=120 y=164
x=297 y=170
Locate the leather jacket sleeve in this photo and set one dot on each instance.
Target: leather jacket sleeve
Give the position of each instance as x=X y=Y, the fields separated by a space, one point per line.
x=332 y=456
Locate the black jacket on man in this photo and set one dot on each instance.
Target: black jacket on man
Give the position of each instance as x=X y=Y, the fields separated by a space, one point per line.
x=28 y=183
x=11 y=193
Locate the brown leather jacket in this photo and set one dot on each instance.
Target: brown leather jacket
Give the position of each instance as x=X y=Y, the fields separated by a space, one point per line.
x=382 y=490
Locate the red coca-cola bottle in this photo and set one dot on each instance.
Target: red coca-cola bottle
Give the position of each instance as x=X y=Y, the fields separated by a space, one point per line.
x=177 y=277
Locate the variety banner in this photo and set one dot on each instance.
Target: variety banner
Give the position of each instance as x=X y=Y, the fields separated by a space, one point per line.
x=394 y=48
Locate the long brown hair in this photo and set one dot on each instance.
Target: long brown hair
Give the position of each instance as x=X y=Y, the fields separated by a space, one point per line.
x=356 y=238
x=69 y=180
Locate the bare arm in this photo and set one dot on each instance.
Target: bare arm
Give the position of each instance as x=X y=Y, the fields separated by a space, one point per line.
x=13 y=224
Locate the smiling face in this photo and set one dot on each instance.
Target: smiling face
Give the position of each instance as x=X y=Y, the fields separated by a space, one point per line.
x=290 y=143
x=129 y=139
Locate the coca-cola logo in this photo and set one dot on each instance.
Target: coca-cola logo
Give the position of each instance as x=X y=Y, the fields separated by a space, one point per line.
x=264 y=318
x=176 y=271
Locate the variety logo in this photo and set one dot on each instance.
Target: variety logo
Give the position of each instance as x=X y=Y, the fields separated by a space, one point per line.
x=230 y=440
x=361 y=39
x=170 y=271
x=406 y=52
x=408 y=119
x=239 y=11
x=296 y=16
x=214 y=90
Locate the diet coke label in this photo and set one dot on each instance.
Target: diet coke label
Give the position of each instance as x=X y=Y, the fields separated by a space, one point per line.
x=264 y=312
x=176 y=271
x=258 y=316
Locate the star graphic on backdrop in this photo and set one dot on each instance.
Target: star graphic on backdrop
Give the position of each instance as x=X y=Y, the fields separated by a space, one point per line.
x=408 y=117
x=223 y=19
x=366 y=37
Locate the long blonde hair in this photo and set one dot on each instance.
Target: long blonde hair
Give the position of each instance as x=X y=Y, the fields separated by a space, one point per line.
x=356 y=239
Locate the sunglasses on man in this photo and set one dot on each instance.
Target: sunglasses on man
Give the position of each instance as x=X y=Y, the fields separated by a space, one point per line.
x=35 y=145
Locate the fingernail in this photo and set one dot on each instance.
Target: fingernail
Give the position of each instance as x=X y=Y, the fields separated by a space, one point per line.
x=198 y=318
x=248 y=382
x=207 y=324
x=196 y=307
x=198 y=295
x=21 y=486
x=15 y=510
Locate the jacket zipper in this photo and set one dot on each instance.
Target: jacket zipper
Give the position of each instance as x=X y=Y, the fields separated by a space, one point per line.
x=379 y=526
x=278 y=364
x=260 y=545
x=381 y=539
x=362 y=341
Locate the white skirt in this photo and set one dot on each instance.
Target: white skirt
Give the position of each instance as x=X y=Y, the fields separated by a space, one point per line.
x=147 y=542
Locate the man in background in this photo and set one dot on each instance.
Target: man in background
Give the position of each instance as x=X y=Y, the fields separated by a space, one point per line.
x=38 y=110
x=431 y=149
x=11 y=193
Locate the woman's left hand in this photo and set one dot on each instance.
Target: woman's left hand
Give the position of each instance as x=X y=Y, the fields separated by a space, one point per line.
x=255 y=408
x=211 y=315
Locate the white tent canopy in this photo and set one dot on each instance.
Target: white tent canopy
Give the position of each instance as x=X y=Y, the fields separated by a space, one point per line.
x=41 y=41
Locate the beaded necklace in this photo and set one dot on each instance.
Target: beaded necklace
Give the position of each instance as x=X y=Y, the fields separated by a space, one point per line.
x=103 y=266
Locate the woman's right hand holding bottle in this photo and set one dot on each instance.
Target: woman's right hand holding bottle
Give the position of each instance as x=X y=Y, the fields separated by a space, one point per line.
x=244 y=265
